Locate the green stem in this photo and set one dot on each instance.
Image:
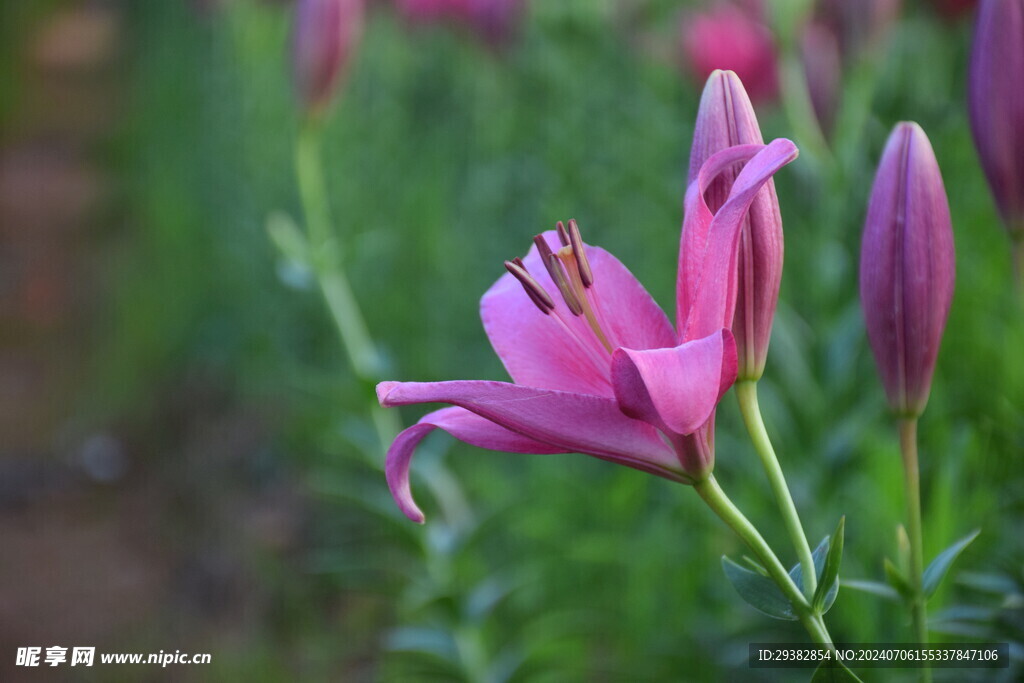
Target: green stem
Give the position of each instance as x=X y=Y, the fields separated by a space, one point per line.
x=1017 y=245
x=746 y=392
x=912 y=485
x=330 y=276
x=720 y=504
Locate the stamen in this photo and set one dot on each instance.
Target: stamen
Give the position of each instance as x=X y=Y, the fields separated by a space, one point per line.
x=562 y=282
x=586 y=275
x=544 y=250
x=568 y=257
x=536 y=293
x=563 y=236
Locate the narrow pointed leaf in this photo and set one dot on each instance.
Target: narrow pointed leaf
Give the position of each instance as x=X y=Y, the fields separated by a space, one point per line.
x=874 y=587
x=819 y=554
x=755 y=565
x=898 y=580
x=828 y=581
x=937 y=570
x=758 y=591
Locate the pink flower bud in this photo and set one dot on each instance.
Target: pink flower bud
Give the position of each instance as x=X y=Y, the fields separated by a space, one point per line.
x=996 y=104
x=730 y=37
x=726 y=118
x=324 y=35
x=907 y=267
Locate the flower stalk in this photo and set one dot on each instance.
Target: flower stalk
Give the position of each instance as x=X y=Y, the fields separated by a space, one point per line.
x=746 y=392
x=325 y=262
x=912 y=488
x=712 y=494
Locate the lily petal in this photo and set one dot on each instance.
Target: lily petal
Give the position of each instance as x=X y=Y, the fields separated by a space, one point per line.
x=676 y=388
x=559 y=351
x=464 y=426
x=574 y=422
x=706 y=288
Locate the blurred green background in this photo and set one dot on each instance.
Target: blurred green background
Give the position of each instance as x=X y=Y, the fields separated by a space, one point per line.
x=186 y=461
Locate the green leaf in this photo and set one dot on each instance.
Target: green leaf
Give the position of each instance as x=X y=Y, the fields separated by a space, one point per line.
x=755 y=565
x=828 y=580
x=818 y=556
x=833 y=672
x=936 y=571
x=898 y=581
x=874 y=587
x=758 y=591
x=287 y=237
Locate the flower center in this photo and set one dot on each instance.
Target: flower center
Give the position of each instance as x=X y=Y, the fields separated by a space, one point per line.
x=570 y=271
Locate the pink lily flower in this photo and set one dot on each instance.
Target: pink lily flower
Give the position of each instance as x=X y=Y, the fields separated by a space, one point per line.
x=730 y=37
x=597 y=366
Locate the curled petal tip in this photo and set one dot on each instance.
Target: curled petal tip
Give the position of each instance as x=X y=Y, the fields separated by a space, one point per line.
x=383 y=390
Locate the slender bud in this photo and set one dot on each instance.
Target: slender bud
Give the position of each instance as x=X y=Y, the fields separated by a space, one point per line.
x=726 y=118
x=823 y=69
x=996 y=105
x=324 y=35
x=907 y=267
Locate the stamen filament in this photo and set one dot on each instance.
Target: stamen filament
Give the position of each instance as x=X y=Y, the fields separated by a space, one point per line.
x=568 y=257
x=559 y=276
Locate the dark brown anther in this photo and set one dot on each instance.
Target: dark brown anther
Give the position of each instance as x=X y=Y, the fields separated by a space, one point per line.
x=586 y=275
x=533 y=289
x=562 y=282
x=563 y=236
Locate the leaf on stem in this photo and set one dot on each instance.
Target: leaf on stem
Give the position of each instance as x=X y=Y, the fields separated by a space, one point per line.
x=819 y=554
x=936 y=571
x=758 y=591
x=873 y=587
x=898 y=580
x=828 y=579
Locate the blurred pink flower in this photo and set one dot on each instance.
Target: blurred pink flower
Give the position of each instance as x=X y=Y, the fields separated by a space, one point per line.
x=730 y=37
x=951 y=9
x=494 y=21
x=324 y=35
x=596 y=364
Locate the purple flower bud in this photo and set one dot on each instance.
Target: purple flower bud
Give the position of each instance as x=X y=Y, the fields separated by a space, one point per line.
x=907 y=267
x=996 y=104
x=860 y=24
x=726 y=118
x=324 y=34
x=823 y=69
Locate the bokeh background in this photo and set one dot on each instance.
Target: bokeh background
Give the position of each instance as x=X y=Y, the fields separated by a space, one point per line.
x=187 y=462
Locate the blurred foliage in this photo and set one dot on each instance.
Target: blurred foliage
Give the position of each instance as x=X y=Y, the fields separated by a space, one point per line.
x=444 y=158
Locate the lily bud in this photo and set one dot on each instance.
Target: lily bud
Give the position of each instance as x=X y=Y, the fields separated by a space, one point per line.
x=996 y=104
x=726 y=118
x=324 y=35
x=907 y=268
x=823 y=69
